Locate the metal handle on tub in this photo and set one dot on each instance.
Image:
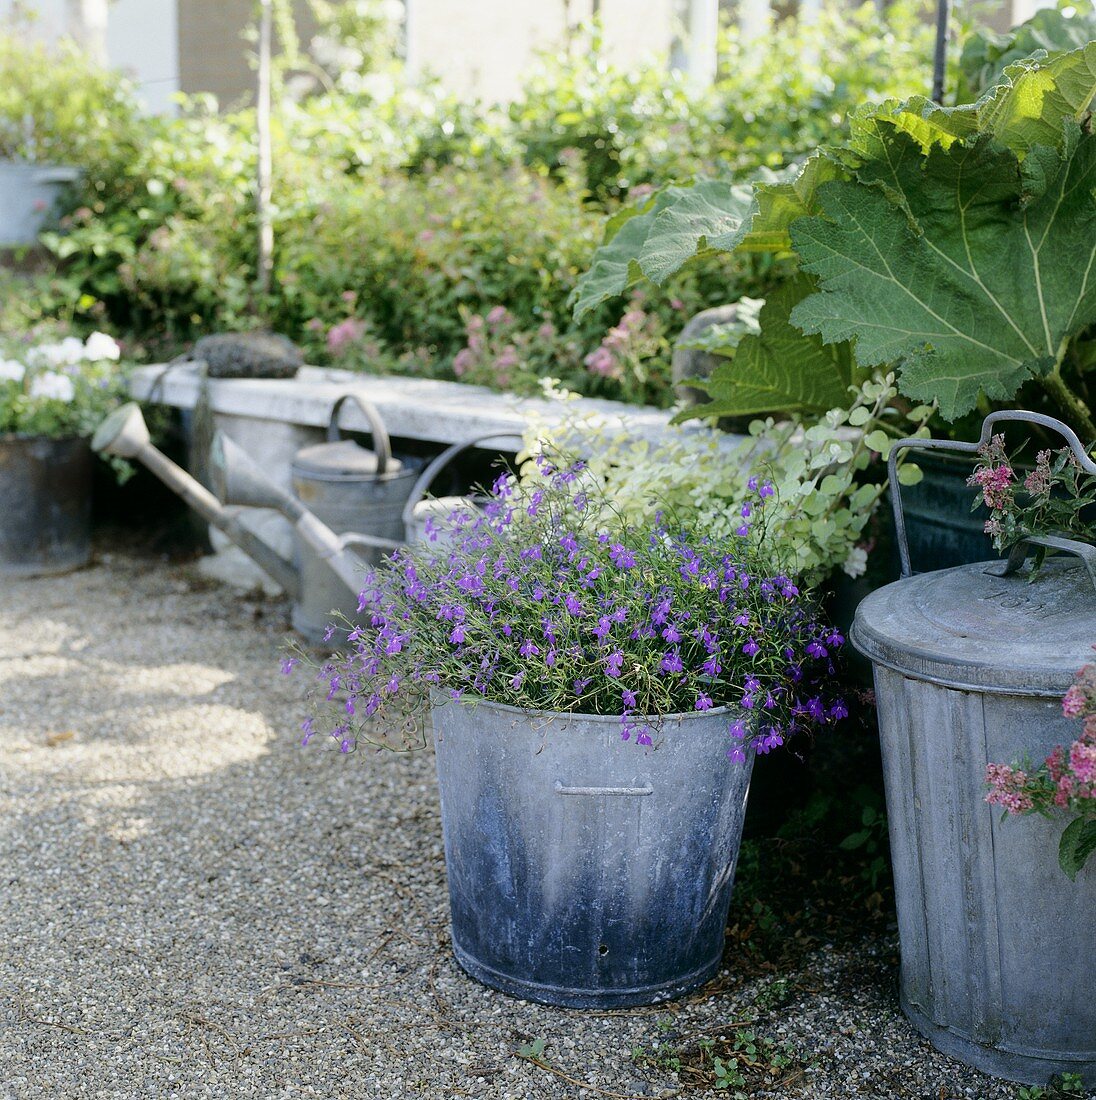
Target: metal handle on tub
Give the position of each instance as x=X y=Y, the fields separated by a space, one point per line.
x=561 y=789
x=912 y=444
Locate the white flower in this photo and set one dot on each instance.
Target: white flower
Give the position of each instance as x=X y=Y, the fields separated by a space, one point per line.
x=856 y=564
x=100 y=346
x=11 y=371
x=53 y=385
x=67 y=353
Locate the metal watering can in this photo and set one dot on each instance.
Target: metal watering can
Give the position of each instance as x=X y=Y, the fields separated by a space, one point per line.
x=420 y=510
x=349 y=489
x=328 y=564
x=326 y=576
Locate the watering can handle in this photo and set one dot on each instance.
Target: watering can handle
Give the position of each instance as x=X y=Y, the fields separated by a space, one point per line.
x=381 y=443
x=994 y=418
x=436 y=465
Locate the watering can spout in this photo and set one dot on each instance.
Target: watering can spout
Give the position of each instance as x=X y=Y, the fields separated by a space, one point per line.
x=125 y=435
x=326 y=559
x=238 y=479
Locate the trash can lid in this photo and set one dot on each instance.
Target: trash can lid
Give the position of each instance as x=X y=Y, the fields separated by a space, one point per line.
x=969 y=628
x=345 y=460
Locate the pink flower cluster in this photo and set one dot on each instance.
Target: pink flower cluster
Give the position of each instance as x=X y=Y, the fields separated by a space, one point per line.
x=995 y=483
x=623 y=344
x=1067 y=778
x=1008 y=788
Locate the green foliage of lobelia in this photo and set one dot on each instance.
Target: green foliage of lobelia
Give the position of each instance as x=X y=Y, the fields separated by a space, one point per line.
x=957 y=244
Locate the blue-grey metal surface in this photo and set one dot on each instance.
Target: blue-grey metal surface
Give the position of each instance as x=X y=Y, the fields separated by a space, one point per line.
x=969 y=628
x=585 y=870
x=970 y=668
x=28 y=194
x=995 y=939
x=349 y=489
x=45 y=505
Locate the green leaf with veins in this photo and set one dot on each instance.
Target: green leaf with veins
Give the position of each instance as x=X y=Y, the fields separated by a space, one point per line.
x=615 y=268
x=710 y=216
x=779 y=369
x=1027 y=109
x=657 y=238
x=987 y=56
x=948 y=267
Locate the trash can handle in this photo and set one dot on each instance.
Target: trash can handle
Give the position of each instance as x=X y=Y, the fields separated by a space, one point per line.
x=994 y=418
x=382 y=445
x=436 y=465
x=1018 y=554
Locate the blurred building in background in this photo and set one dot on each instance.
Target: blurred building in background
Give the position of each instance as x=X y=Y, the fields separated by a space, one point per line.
x=476 y=48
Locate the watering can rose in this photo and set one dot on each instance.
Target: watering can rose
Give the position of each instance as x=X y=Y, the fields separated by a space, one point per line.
x=539 y=602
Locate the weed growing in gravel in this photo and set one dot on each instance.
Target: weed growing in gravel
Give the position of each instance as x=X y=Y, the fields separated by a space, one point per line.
x=738 y=1058
x=1067 y=1086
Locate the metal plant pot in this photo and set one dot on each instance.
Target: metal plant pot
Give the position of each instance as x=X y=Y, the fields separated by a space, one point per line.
x=45 y=505
x=584 y=870
x=28 y=193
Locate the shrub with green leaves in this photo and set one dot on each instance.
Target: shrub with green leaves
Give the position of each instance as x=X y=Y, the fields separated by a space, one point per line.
x=57 y=106
x=826 y=478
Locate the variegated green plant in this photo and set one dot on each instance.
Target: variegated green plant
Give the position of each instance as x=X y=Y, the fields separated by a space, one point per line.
x=824 y=479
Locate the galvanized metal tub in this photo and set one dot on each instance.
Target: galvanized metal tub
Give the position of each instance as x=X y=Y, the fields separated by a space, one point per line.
x=28 y=194
x=585 y=870
x=45 y=505
x=970 y=668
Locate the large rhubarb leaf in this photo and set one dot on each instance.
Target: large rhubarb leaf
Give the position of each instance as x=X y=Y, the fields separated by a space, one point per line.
x=779 y=369
x=969 y=281
x=615 y=266
x=1048 y=33
x=656 y=240
x=1028 y=108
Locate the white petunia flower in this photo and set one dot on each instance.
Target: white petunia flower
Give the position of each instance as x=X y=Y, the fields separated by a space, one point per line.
x=100 y=346
x=67 y=353
x=856 y=564
x=11 y=371
x=53 y=385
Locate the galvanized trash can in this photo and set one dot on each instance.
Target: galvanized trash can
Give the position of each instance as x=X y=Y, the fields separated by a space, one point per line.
x=584 y=870
x=970 y=667
x=349 y=489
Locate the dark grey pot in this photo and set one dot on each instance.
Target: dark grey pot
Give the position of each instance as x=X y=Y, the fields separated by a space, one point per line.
x=45 y=505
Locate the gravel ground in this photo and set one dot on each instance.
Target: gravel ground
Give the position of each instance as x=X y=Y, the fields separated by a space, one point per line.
x=192 y=905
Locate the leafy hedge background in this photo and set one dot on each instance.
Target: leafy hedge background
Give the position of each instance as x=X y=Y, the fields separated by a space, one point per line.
x=403 y=216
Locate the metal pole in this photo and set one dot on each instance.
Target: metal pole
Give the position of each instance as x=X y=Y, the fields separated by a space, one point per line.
x=265 y=156
x=940 y=57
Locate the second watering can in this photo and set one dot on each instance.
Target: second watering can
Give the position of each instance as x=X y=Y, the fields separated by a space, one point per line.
x=348 y=488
